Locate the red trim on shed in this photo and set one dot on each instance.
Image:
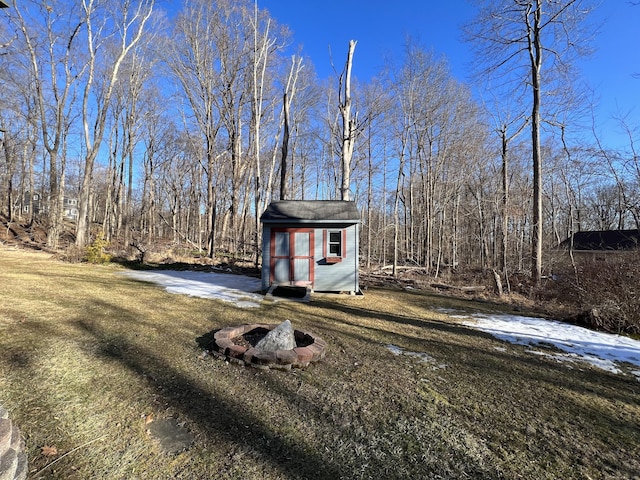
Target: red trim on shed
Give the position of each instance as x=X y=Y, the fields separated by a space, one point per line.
x=343 y=246
x=343 y=250
x=324 y=244
x=292 y=254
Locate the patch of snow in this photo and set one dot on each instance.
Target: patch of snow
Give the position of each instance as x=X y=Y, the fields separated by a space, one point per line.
x=394 y=349
x=566 y=358
x=602 y=350
x=236 y=289
x=421 y=356
x=461 y=316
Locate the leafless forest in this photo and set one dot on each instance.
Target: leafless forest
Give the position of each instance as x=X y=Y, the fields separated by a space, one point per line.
x=177 y=127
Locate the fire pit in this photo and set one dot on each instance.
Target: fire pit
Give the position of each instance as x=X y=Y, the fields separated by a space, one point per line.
x=238 y=345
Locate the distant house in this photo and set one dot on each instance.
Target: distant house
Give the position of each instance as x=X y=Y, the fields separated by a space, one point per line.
x=311 y=243
x=32 y=200
x=70 y=208
x=602 y=244
x=35 y=200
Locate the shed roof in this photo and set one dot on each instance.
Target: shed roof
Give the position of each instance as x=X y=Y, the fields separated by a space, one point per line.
x=311 y=211
x=604 y=240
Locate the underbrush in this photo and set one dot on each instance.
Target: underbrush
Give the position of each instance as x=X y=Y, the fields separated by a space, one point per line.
x=604 y=295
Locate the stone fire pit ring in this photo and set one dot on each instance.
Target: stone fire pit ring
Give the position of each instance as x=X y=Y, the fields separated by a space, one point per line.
x=230 y=343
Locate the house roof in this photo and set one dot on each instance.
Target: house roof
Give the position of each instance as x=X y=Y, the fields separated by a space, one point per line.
x=604 y=240
x=311 y=211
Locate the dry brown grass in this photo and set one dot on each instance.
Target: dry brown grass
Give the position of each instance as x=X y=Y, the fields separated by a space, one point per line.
x=87 y=355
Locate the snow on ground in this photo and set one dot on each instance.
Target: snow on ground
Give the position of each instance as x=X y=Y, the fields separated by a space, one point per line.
x=236 y=289
x=602 y=350
x=421 y=356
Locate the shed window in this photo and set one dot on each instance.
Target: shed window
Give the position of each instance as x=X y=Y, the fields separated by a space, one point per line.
x=335 y=244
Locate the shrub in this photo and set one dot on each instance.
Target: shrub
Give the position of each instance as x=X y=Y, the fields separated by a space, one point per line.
x=95 y=253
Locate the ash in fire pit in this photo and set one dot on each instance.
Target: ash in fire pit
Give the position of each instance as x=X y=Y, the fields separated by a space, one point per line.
x=245 y=344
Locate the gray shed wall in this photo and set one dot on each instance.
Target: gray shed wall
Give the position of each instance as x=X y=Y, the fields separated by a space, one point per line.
x=342 y=276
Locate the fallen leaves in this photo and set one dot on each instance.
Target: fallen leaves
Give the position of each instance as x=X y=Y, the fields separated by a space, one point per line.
x=49 y=451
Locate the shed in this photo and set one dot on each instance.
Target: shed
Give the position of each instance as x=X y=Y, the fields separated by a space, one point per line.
x=311 y=243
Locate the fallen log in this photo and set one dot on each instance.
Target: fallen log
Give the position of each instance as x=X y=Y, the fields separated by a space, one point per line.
x=473 y=288
x=404 y=268
x=468 y=288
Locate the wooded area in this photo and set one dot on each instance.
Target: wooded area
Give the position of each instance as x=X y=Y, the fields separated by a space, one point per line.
x=181 y=126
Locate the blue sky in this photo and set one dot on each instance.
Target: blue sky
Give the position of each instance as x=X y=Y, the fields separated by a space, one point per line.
x=380 y=28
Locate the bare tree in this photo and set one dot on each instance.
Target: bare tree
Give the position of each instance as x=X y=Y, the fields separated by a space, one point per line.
x=513 y=37
x=160 y=147
x=436 y=127
x=192 y=60
x=131 y=107
x=376 y=104
x=624 y=167
x=284 y=125
x=348 y=123
x=50 y=34
x=128 y=24
x=508 y=131
x=263 y=46
x=232 y=39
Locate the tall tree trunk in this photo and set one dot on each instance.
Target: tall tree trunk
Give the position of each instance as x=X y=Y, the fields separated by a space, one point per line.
x=348 y=124
x=260 y=59
x=285 y=149
x=396 y=213
x=535 y=54
x=128 y=208
x=505 y=204
x=56 y=201
x=369 y=197
x=211 y=205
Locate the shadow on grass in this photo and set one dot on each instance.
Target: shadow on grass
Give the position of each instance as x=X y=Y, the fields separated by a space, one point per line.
x=185 y=266
x=205 y=342
x=477 y=351
x=353 y=313
x=215 y=413
x=476 y=369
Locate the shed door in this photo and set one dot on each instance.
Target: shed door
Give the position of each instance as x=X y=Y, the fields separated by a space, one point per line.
x=292 y=256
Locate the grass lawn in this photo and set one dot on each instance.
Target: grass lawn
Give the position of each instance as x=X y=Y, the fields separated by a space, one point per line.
x=88 y=357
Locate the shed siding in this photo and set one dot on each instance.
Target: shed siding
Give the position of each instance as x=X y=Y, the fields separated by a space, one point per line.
x=342 y=276
x=266 y=256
